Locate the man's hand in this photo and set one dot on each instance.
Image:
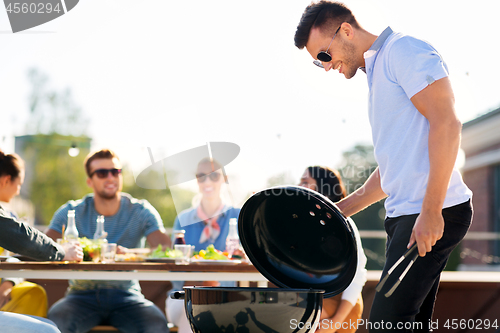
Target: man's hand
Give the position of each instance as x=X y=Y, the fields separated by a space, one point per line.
x=428 y=229
x=121 y=249
x=5 y=289
x=158 y=237
x=73 y=251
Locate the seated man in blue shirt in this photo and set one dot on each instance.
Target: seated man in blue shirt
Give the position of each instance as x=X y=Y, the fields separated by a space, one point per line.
x=117 y=303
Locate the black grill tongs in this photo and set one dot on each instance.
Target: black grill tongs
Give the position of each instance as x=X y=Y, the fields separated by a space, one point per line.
x=403 y=257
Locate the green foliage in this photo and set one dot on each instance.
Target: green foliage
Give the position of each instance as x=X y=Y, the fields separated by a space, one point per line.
x=52 y=111
x=356 y=166
x=55 y=176
x=56 y=124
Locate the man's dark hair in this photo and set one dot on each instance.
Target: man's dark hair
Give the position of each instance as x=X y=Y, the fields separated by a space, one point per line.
x=101 y=154
x=327 y=16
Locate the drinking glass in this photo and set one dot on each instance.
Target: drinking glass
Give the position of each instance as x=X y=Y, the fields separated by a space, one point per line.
x=108 y=252
x=183 y=254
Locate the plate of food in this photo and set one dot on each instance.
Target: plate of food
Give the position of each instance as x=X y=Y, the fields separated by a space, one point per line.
x=129 y=257
x=216 y=261
x=212 y=256
x=165 y=256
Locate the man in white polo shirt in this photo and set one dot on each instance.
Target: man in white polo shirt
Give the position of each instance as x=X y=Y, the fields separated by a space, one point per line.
x=127 y=220
x=416 y=137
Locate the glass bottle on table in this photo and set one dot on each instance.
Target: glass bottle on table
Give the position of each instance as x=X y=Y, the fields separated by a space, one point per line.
x=100 y=235
x=100 y=240
x=179 y=237
x=71 y=232
x=232 y=240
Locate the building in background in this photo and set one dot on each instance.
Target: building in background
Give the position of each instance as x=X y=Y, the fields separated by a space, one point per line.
x=481 y=172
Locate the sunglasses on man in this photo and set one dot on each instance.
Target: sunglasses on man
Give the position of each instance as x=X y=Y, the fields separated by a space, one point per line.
x=202 y=177
x=103 y=173
x=324 y=56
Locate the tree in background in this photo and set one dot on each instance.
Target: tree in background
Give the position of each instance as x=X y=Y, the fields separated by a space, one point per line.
x=357 y=165
x=55 y=124
x=52 y=111
x=54 y=176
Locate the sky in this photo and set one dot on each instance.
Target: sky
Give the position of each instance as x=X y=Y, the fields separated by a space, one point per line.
x=173 y=75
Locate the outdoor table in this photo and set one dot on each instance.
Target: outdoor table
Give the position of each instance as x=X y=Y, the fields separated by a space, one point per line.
x=145 y=271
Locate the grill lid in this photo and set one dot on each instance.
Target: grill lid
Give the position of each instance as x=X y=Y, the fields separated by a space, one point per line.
x=297 y=238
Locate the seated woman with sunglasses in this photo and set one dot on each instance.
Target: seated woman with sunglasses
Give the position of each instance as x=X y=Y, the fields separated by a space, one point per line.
x=346 y=308
x=204 y=224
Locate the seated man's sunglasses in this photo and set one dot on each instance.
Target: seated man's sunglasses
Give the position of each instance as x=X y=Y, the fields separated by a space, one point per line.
x=201 y=177
x=103 y=173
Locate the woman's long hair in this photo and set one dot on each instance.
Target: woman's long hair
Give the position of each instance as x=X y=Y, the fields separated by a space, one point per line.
x=11 y=165
x=328 y=182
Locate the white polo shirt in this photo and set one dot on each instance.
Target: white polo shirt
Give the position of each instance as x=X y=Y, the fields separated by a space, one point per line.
x=398 y=67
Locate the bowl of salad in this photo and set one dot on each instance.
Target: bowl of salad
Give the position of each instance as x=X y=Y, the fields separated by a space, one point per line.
x=91 y=249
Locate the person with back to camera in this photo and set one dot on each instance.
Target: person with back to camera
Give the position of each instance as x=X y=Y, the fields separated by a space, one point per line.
x=21 y=238
x=127 y=220
x=205 y=224
x=416 y=137
x=346 y=308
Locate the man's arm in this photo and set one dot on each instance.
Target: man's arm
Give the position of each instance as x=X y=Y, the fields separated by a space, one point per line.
x=158 y=237
x=369 y=193
x=57 y=223
x=436 y=103
x=53 y=234
x=154 y=222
